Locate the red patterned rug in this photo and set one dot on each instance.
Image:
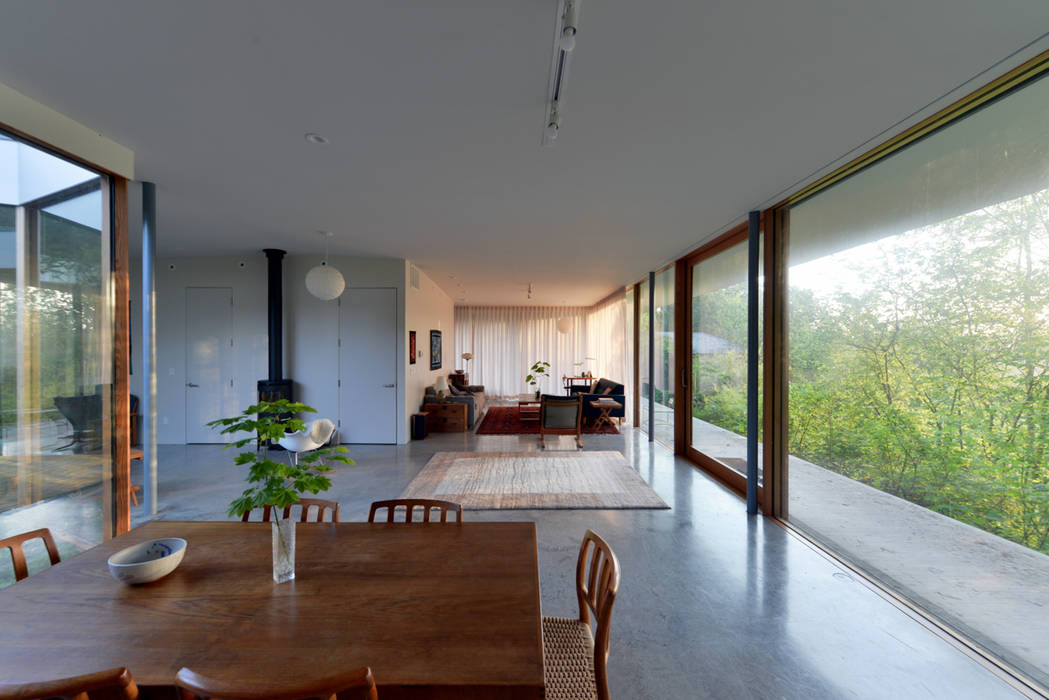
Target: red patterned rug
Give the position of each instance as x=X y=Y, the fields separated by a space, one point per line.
x=504 y=420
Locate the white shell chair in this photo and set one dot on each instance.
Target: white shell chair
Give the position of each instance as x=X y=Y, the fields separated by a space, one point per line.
x=316 y=435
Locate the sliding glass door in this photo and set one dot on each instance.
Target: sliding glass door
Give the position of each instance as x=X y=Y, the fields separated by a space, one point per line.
x=656 y=356
x=56 y=373
x=717 y=370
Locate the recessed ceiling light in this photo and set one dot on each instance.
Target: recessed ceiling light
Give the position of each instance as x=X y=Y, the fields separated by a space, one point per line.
x=315 y=138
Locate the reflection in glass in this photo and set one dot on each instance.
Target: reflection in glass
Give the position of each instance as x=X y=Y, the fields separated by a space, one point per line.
x=719 y=357
x=663 y=381
x=918 y=295
x=55 y=363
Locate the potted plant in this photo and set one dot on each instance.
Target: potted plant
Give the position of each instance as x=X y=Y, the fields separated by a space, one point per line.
x=538 y=371
x=274 y=483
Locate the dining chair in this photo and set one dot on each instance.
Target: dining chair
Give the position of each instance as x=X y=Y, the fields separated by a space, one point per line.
x=410 y=504
x=266 y=514
x=15 y=542
x=576 y=658
x=115 y=684
x=560 y=415
x=353 y=685
x=321 y=506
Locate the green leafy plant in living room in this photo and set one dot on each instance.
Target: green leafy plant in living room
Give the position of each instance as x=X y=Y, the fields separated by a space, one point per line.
x=539 y=370
x=275 y=483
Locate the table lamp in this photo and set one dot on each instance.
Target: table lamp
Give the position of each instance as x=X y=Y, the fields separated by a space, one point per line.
x=441 y=386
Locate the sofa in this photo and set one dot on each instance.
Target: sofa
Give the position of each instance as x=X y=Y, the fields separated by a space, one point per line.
x=602 y=389
x=473 y=396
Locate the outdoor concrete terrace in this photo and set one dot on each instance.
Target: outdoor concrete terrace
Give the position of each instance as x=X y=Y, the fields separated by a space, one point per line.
x=986 y=587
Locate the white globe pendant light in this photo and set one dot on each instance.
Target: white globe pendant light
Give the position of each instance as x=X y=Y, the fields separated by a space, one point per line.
x=564 y=324
x=324 y=281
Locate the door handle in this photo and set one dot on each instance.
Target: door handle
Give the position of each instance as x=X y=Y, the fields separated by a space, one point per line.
x=192 y=384
x=388 y=386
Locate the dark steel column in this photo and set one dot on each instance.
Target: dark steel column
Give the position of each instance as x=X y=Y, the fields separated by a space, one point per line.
x=651 y=356
x=753 y=234
x=275 y=290
x=149 y=352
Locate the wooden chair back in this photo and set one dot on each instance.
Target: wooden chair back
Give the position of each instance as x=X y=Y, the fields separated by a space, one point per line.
x=321 y=506
x=410 y=504
x=353 y=685
x=267 y=514
x=597 y=583
x=560 y=415
x=115 y=684
x=15 y=542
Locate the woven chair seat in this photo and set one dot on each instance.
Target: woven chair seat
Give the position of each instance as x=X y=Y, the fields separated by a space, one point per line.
x=568 y=653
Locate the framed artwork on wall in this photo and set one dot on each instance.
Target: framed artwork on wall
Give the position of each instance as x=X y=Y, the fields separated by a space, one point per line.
x=435 y=349
x=411 y=347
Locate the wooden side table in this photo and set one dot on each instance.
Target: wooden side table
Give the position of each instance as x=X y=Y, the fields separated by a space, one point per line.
x=528 y=407
x=606 y=407
x=445 y=417
x=135 y=453
x=460 y=380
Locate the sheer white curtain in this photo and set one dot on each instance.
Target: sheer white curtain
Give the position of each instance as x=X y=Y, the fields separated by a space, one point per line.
x=506 y=340
x=610 y=341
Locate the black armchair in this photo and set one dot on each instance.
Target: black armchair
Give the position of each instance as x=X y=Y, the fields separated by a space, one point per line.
x=604 y=389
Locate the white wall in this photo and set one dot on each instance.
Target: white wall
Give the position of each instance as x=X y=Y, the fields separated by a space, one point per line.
x=311 y=354
x=311 y=329
x=247 y=277
x=427 y=308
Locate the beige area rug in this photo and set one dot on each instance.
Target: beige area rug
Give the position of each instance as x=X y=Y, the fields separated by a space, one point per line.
x=505 y=480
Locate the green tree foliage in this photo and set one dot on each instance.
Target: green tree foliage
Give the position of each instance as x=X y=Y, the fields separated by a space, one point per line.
x=927 y=378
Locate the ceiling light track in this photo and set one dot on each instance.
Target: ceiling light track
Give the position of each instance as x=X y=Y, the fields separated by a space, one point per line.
x=566 y=29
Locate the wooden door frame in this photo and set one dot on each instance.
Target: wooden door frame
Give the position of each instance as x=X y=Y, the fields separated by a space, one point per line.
x=683 y=415
x=121 y=353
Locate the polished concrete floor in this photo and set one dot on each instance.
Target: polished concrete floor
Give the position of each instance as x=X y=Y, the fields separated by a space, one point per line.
x=713 y=603
x=982 y=585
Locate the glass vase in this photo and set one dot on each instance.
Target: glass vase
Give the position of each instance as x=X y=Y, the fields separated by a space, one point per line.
x=283 y=550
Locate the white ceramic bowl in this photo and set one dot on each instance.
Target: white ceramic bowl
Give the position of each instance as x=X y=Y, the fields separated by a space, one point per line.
x=147 y=561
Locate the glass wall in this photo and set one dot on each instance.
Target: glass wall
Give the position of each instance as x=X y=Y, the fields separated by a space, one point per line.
x=56 y=371
x=643 y=353
x=664 y=380
x=918 y=294
x=719 y=356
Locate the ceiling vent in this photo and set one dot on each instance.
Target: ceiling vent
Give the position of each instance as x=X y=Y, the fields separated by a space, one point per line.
x=565 y=30
x=413 y=276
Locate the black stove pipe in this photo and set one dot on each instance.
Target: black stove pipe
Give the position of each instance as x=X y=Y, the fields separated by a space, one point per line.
x=275 y=290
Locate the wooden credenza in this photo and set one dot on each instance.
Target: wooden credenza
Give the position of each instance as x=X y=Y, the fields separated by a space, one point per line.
x=445 y=417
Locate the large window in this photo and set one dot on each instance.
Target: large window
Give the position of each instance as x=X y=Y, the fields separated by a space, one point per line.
x=56 y=373
x=918 y=295
x=660 y=382
x=718 y=366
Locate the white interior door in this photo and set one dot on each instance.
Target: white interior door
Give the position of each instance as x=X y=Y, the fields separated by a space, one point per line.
x=368 y=366
x=209 y=360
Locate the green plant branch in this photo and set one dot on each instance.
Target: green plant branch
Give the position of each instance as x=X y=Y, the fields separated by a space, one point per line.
x=275 y=483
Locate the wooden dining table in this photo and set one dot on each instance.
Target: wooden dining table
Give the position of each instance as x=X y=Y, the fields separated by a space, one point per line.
x=437 y=611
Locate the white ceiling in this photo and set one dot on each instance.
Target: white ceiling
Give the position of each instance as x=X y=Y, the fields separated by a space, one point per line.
x=678 y=117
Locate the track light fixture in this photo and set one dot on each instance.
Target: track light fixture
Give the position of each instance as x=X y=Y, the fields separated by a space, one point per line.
x=566 y=29
x=554 y=123
x=568 y=20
